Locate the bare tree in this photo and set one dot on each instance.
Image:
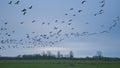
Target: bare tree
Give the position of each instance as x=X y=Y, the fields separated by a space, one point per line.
x=58 y=54
x=43 y=53
x=99 y=54
x=71 y=54
x=49 y=53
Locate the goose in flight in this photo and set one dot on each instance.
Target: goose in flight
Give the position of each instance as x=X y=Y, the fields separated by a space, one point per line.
x=83 y=1
x=103 y=1
x=102 y=5
x=71 y=8
x=69 y=23
x=30 y=7
x=79 y=11
x=74 y=15
x=55 y=28
x=24 y=13
x=33 y=21
x=5 y=23
x=17 y=2
x=56 y=21
x=70 y=20
x=10 y=2
x=66 y=14
x=24 y=10
x=21 y=22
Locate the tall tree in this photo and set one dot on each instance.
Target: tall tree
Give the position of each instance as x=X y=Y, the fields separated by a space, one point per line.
x=71 y=54
x=99 y=54
x=58 y=54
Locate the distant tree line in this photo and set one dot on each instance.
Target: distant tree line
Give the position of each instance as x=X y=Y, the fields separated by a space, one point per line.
x=44 y=55
x=49 y=55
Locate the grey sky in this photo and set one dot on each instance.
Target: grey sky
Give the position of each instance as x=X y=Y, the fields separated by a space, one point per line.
x=85 y=34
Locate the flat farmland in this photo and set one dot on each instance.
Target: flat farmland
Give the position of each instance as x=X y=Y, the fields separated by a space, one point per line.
x=58 y=64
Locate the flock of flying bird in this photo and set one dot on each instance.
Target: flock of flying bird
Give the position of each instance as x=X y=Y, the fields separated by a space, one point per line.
x=101 y=11
x=24 y=11
x=32 y=40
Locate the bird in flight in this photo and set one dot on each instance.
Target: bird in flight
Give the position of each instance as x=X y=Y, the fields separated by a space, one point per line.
x=102 y=5
x=71 y=8
x=30 y=7
x=5 y=23
x=56 y=21
x=24 y=13
x=33 y=21
x=17 y=2
x=83 y=1
x=70 y=20
x=66 y=14
x=69 y=23
x=21 y=22
x=103 y=1
x=74 y=15
x=10 y=2
x=79 y=11
x=86 y=23
x=24 y=10
x=55 y=28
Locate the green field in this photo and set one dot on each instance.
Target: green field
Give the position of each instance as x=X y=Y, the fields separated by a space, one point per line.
x=58 y=64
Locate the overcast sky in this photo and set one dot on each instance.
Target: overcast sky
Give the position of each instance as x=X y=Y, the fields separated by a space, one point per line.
x=83 y=28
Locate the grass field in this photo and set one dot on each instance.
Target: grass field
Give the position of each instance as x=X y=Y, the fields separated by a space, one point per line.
x=58 y=64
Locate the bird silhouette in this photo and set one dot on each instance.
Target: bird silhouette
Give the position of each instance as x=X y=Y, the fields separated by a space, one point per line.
x=95 y=14
x=83 y=1
x=66 y=14
x=10 y=2
x=24 y=10
x=72 y=28
x=48 y=23
x=56 y=21
x=17 y=2
x=71 y=8
x=43 y=23
x=21 y=22
x=86 y=23
x=102 y=5
x=74 y=14
x=30 y=7
x=101 y=12
x=55 y=28
x=63 y=22
x=33 y=21
x=70 y=20
x=79 y=11
x=5 y=23
x=24 y=13
x=13 y=31
x=118 y=18
x=69 y=23
x=50 y=32
x=1 y=28
x=102 y=1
